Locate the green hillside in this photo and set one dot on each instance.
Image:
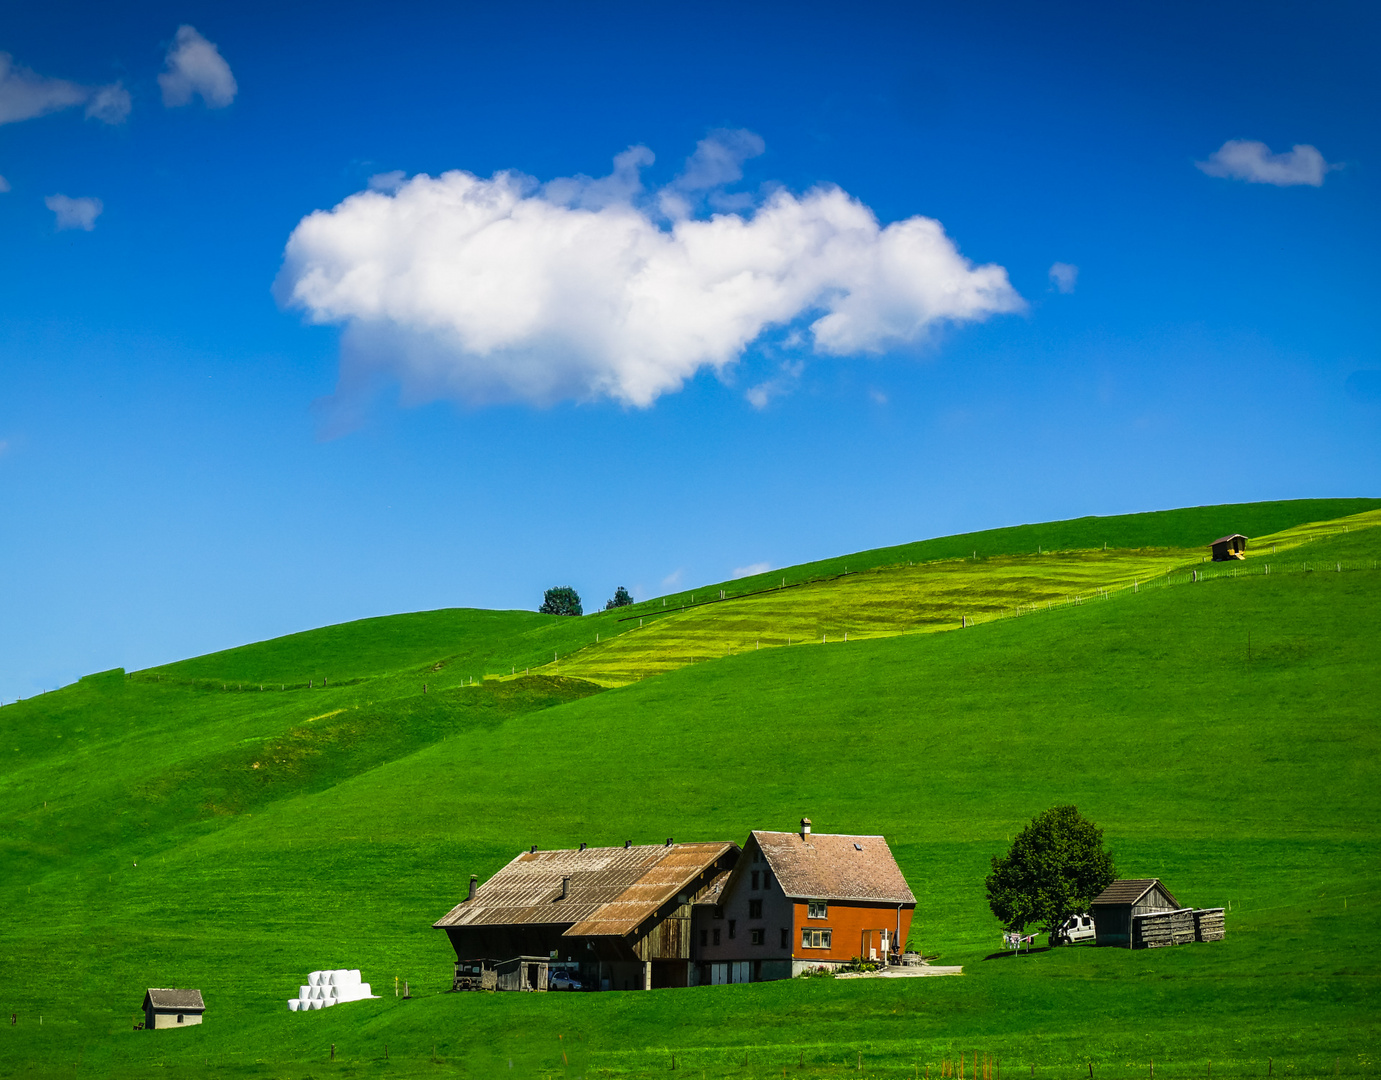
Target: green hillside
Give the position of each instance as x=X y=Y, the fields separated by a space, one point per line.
x=1223 y=732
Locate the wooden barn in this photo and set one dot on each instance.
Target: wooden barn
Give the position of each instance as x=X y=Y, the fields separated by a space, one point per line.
x=167 y=1008
x=1115 y=908
x=618 y=918
x=1229 y=547
x=798 y=901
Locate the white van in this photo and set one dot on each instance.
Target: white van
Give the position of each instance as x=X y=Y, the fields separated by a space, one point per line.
x=1073 y=930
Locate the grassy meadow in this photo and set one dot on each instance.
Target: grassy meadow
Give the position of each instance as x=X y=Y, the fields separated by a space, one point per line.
x=1224 y=733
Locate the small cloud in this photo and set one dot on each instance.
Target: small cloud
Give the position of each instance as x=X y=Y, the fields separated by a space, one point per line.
x=1364 y=386
x=387 y=181
x=78 y=213
x=1244 y=159
x=195 y=66
x=4 y=185
x=673 y=579
x=877 y=397
x=109 y=104
x=752 y=570
x=1063 y=277
x=759 y=396
x=25 y=94
x=4 y=447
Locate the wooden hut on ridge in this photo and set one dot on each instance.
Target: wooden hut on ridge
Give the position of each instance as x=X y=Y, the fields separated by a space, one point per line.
x=1229 y=547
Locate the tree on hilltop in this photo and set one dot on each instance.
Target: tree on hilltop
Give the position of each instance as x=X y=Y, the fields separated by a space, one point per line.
x=621 y=599
x=1055 y=867
x=562 y=600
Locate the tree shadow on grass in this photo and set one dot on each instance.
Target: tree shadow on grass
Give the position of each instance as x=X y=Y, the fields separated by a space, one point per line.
x=1008 y=954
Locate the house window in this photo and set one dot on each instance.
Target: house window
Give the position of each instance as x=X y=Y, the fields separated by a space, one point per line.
x=718 y=912
x=757 y=936
x=786 y=938
x=767 y=879
x=716 y=935
x=179 y=1018
x=817 y=909
x=755 y=879
x=704 y=937
x=731 y=929
x=755 y=909
x=815 y=939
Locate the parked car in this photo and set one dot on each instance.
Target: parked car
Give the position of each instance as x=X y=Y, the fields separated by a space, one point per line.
x=563 y=980
x=1073 y=930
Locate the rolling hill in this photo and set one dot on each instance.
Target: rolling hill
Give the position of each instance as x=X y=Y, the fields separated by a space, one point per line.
x=1223 y=731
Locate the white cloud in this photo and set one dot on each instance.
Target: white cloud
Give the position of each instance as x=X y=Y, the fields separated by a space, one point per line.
x=752 y=568
x=506 y=289
x=1243 y=159
x=195 y=66
x=4 y=185
x=25 y=94
x=1063 y=277
x=75 y=213
x=779 y=385
x=109 y=104
x=387 y=181
x=877 y=397
x=673 y=579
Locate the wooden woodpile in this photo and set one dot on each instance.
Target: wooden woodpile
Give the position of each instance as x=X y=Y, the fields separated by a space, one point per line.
x=1158 y=929
x=1209 y=924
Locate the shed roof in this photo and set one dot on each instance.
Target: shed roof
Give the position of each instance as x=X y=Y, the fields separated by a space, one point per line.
x=1225 y=539
x=166 y=998
x=832 y=866
x=1130 y=890
x=611 y=891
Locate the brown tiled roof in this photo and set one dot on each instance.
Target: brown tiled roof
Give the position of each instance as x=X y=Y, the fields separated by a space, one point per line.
x=824 y=866
x=611 y=890
x=1130 y=890
x=186 y=1000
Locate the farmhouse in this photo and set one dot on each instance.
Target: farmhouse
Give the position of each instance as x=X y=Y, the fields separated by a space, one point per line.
x=619 y=917
x=801 y=900
x=1229 y=547
x=166 y=1008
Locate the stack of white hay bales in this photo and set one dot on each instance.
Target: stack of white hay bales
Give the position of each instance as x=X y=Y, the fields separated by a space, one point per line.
x=327 y=988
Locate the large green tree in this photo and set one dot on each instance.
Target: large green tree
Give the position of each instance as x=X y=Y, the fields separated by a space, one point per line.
x=1055 y=867
x=562 y=600
x=622 y=598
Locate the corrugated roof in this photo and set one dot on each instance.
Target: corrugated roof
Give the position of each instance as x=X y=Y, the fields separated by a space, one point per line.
x=1130 y=890
x=1225 y=539
x=714 y=889
x=165 y=998
x=611 y=891
x=829 y=866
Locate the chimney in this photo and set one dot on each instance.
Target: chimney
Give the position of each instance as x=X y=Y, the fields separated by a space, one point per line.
x=668 y=841
x=582 y=845
x=565 y=887
x=805 y=827
x=627 y=844
x=474 y=884
x=532 y=850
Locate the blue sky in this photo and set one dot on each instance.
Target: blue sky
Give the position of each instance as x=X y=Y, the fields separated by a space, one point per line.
x=1151 y=284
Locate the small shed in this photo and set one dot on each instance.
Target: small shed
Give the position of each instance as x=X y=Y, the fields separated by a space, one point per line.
x=1229 y=547
x=168 y=1008
x=1116 y=906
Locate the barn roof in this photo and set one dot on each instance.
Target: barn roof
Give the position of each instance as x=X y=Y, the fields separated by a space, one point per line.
x=611 y=891
x=831 y=866
x=1225 y=539
x=1130 y=891
x=165 y=998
